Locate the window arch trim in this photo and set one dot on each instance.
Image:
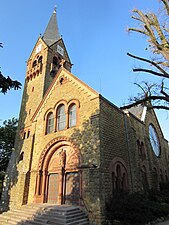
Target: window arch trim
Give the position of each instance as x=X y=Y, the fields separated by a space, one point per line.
x=60 y=103
x=48 y=111
x=74 y=101
x=54 y=110
x=118 y=183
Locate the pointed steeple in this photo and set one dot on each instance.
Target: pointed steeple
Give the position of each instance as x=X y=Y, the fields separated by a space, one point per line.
x=51 y=34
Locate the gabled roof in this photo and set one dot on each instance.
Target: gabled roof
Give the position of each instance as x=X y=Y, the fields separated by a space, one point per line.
x=40 y=40
x=51 y=34
x=75 y=81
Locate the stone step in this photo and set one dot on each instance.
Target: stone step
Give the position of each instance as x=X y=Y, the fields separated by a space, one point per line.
x=42 y=214
x=67 y=216
x=48 y=219
x=15 y=216
x=64 y=209
x=79 y=222
x=21 y=215
x=7 y=217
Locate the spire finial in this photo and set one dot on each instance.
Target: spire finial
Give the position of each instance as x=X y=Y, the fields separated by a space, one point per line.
x=51 y=33
x=55 y=8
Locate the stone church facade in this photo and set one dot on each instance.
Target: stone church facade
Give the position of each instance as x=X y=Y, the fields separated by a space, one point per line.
x=73 y=146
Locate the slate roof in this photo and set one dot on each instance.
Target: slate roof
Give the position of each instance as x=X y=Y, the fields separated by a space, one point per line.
x=51 y=34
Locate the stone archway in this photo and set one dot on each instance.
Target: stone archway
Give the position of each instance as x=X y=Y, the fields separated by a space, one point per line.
x=58 y=178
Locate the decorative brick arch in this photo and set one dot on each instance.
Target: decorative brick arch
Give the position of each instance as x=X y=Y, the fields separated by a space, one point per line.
x=56 y=143
x=74 y=101
x=60 y=102
x=60 y=156
x=119 y=175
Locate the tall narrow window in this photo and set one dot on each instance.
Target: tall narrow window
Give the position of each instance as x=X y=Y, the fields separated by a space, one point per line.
x=34 y=63
x=50 y=123
x=119 y=177
x=55 y=61
x=72 y=115
x=40 y=63
x=61 y=118
x=40 y=59
x=24 y=135
x=28 y=134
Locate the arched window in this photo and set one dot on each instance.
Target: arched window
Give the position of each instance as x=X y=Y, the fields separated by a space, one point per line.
x=61 y=117
x=72 y=115
x=40 y=63
x=24 y=135
x=40 y=59
x=50 y=123
x=119 y=177
x=34 y=63
x=55 y=61
x=141 y=149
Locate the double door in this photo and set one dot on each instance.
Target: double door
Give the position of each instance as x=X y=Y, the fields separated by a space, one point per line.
x=63 y=188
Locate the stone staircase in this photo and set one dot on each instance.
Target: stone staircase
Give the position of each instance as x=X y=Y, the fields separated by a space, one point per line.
x=44 y=214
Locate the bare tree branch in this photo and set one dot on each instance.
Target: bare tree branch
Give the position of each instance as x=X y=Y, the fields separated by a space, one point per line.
x=156 y=28
x=148 y=71
x=145 y=101
x=163 y=72
x=166 y=4
x=161 y=107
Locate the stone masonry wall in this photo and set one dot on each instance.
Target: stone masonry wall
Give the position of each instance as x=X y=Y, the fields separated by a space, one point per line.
x=85 y=136
x=113 y=144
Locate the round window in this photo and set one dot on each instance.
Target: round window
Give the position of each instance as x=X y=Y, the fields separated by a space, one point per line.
x=154 y=140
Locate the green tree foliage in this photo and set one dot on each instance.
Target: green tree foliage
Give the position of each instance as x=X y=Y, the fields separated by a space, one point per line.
x=7 y=139
x=6 y=83
x=155 y=27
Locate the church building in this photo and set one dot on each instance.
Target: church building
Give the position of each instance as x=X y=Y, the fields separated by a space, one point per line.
x=75 y=147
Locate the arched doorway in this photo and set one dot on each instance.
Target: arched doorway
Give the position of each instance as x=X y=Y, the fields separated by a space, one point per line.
x=58 y=178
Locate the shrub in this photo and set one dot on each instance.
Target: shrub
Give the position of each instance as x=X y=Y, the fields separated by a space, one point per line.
x=135 y=208
x=161 y=195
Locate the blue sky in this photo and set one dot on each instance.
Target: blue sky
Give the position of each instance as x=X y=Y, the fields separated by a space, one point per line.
x=96 y=37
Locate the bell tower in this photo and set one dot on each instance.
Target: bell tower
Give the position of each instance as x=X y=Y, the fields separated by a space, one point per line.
x=48 y=55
